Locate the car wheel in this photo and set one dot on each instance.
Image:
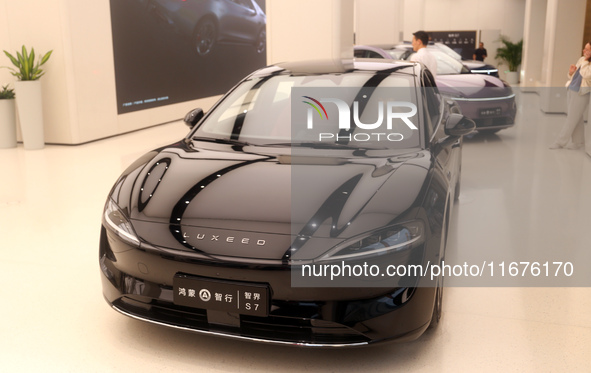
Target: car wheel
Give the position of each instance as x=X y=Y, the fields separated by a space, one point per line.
x=205 y=37
x=261 y=42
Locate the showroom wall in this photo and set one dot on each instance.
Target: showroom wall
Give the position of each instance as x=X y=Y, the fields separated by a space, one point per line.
x=533 y=44
x=379 y=21
x=39 y=24
x=79 y=87
x=441 y=15
x=309 y=29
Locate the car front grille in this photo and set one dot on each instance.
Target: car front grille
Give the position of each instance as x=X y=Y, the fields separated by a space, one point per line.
x=273 y=329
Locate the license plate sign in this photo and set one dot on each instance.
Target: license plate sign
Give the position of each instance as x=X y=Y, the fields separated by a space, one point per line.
x=491 y=112
x=218 y=295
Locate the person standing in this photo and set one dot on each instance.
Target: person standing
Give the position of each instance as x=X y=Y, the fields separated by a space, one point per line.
x=420 y=40
x=480 y=53
x=579 y=85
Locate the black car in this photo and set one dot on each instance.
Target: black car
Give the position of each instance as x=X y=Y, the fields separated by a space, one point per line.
x=238 y=229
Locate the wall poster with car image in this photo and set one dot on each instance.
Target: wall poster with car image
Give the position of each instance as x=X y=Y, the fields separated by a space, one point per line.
x=171 y=51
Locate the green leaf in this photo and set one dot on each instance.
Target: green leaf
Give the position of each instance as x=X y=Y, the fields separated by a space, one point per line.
x=46 y=57
x=32 y=57
x=22 y=66
x=25 y=63
x=510 y=53
x=30 y=63
x=6 y=93
x=12 y=59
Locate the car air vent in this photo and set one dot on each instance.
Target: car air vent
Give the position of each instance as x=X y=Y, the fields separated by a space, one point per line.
x=152 y=181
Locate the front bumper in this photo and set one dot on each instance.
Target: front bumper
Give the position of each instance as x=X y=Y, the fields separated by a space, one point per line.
x=489 y=113
x=138 y=284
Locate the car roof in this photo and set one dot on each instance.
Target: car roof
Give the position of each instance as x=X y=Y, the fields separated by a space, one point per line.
x=342 y=66
x=381 y=46
x=385 y=48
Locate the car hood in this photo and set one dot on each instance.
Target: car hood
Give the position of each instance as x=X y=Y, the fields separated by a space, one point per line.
x=477 y=65
x=473 y=86
x=233 y=201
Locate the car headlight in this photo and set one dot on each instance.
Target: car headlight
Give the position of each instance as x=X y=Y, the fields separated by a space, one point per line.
x=116 y=220
x=397 y=238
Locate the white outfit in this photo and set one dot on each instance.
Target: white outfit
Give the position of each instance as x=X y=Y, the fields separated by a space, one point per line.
x=427 y=59
x=584 y=68
x=572 y=134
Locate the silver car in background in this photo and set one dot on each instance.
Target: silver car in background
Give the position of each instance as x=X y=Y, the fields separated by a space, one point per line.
x=486 y=99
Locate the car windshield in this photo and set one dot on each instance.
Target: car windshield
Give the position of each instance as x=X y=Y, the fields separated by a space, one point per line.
x=398 y=54
x=447 y=50
x=380 y=110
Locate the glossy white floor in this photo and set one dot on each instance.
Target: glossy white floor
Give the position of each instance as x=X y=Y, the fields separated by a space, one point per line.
x=54 y=318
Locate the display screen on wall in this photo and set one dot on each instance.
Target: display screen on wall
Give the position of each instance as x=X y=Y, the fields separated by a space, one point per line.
x=170 y=51
x=463 y=42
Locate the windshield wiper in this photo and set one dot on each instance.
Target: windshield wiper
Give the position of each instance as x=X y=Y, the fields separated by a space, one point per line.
x=221 y=141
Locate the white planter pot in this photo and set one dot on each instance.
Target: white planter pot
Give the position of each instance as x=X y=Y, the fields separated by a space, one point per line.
x=7 y=124
x=30 y=113
x=512 y=77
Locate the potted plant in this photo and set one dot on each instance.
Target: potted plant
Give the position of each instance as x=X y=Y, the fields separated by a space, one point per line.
x=510 y=55
x=28 y=92
x=7 y=119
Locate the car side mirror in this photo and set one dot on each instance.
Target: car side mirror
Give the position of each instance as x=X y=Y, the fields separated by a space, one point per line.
x=458 y=125
x=193 y=117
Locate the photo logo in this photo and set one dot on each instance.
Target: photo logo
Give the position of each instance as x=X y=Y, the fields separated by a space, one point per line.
x=315 y=107
x=393 y=110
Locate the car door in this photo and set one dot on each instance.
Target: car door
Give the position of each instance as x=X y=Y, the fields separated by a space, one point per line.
x=239 y=22
x=444 y=149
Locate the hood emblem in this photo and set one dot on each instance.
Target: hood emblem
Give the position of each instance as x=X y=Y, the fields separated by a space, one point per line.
x=227 y=239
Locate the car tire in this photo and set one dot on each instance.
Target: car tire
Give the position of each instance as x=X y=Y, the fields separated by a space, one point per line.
x=261 y=41
x=205 y=37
